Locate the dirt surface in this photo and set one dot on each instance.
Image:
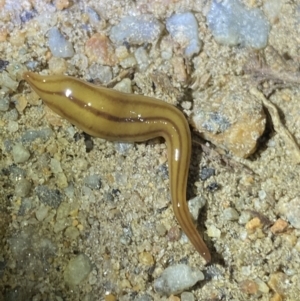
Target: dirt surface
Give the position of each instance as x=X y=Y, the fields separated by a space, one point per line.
x=50 y=212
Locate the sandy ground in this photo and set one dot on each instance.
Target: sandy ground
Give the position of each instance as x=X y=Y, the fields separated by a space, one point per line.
x=126 y=227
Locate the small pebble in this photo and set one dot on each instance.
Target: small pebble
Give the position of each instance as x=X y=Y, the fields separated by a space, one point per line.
x=98 y=71
x=72 y=233
x=63 y=210
x=41 y=213
x=55 y=166
x=32 y=135
x=183 y=28
x=142 y=58
x=206 y=173
x=20 y=153
x=213 y=231
x=7 y=82
x=279 y=283
x=248 y=287
x=22 y=188
x=59 y=46
x=136 y=30
x=124 y=86
x=187 y=296
x=279 y=226
x=176 y=279
x=230 y=214
x=4 y=104
x=123 y=147
x=12 y=126
x=99 y=49
x=50 y=197
x=145 y=258
x=77 y=270
x=292 y=211
x=244 y=217
x=253 y=224
x=232 y=23
x=93 y=181
x=11 y=115
x=195 y=206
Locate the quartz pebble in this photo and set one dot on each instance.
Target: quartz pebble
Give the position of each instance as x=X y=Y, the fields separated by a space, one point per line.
x=195 y=205
x=4 y=104
x=213 y=231
x=183 y=28
x=124 y=86
x=59 y=46
x=20 y=153
x=93 y=181
x=41 y=213
x=142 y=59
x=187 y=296
x=176 y=279
x=230 y=214
x=22 y=188
x=232 y=23
x=292 y=211
x=136 y=30
x=32 y=135
x=77 y=270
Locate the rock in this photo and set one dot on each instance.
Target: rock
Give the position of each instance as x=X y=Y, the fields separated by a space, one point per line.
x=213 y=231
x=176 y=279
x=20 y=153
x=230 y=214
x=22 y=188
x=136 y=30
x=59 y=46
x=50 y=197
x=291 y=210
x=233 y=119
x=41 y=213
x=232 y=23
x=279 y=226
x=99 y=50
x=187 y=296
x=195 y=205
x=183 y=28
x=93 y=181
x=77 y=270
x=4 y=104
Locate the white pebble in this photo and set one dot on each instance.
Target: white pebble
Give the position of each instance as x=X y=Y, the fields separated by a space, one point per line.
x=244 y=217
x=55 y=166
x=230 y=214
x=292 y=211
x=232 y=23
x=176 y=279
x=22 y=188
x=20 y=153
x=184 y=30
x=136 y=30
x=187 y=296
x=213 y=231
x=41 y=212
x=195 y=204
x=59 y=46
x=124 y=86
x=4 y=104
x=142 y=59
x=77 y=270
x=12 y=126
